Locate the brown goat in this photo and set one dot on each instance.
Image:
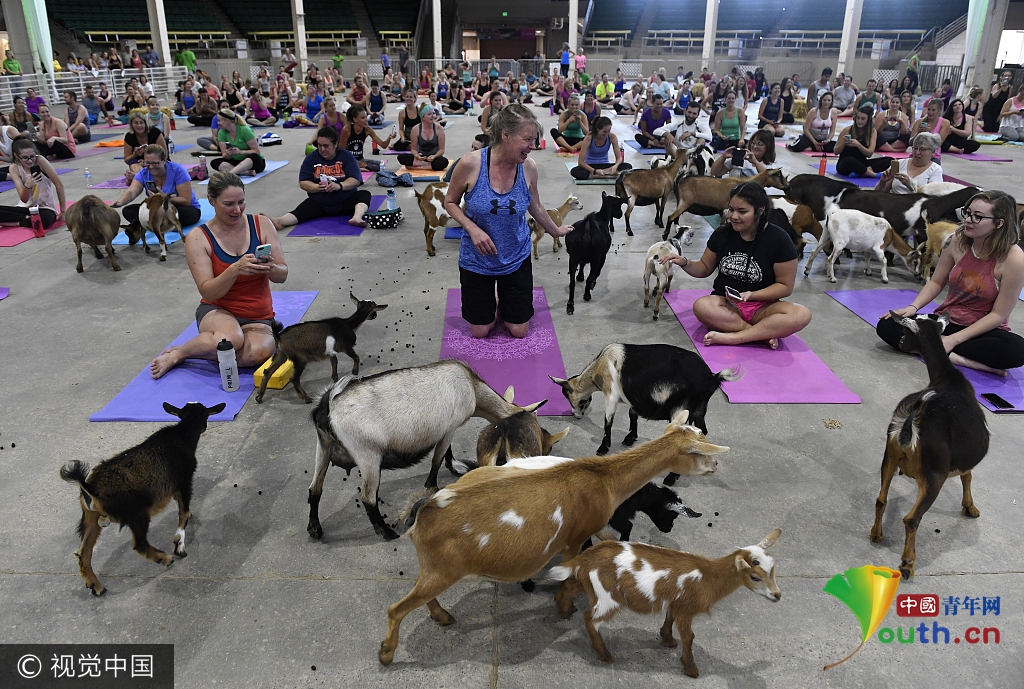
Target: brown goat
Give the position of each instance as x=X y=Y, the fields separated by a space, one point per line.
x=681 y=585
x=506 y=523
x=515 y=436
x=713 y=193
x=93 y=222
x=655 y=184
x=924 y=258
x=558 y=217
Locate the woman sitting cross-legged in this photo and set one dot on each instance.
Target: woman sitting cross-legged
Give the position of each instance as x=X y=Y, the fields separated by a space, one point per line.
x=41 y=187
x=960 y=138
x=427 y=143
x=917 y=170
x=599 y=156
x=157 y=175
x=235 y=286
x=819 y=128
x=572 y=127
x=984 y=269
x=756 y=263
x=856 y=145
x=239 y=149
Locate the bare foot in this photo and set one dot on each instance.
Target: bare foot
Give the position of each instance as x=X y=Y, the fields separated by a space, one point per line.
x=717 y=338
x=357 y=222
x=167 y=360
x=277 y=223
x=958 y=360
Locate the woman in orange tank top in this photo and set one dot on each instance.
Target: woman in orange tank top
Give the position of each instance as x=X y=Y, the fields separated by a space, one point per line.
x=234 y=285
x=984 y=269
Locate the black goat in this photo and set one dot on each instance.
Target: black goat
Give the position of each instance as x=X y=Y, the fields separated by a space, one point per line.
x=934 y=434
x=304 y=343
x=136 y=485
x=660 y=503
x=589 y=243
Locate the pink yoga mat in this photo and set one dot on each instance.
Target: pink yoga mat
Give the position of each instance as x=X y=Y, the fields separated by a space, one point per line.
x=872 y=304
x=336 y=226
x=791 y=374
x=502 y=360
x=954 y=180
x=981 y=157
x=898 y=155
x=13 y=236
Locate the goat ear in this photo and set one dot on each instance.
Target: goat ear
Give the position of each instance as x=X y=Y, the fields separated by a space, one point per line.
x=905 y=322
x=681 y=417
x=353 y=298
x=379 y=307
x=217 y=408
x=535 y=406
x=171 y=409
x=741 y=563
x=509 y=395
x=708 y=449
x=555 y=437
x=769 y=540
x=561 y=382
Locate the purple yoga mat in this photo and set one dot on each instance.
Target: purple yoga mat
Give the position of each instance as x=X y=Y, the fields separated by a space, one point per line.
x=791 y=374
x=981 y=157
x=116 y=183
x=502 y=360
x=859 y=181
x=7 y=184
x=5 y=292
x=194 y=380
x=872 y=304
x=954 y=180
x=336 y=226
x=91 y=152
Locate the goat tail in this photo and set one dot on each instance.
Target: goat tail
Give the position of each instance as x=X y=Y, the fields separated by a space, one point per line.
x=729 y=374
x=276 y=328
x=78 y=472
x=561 y=573
x=412 y=507
x=461 y=467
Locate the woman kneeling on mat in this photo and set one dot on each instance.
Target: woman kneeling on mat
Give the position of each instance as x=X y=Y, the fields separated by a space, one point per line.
x=161 y=176
x=499 y=184
x=426 y=142
x=984 y=268
x=756 y=264
x=235 y=286
x=600 y=149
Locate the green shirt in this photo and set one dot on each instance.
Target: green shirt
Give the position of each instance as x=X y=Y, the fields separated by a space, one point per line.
x=914 y=64
x=188 y=59
x=337 y=59
x=243 y=135
x=12 y=66
x=584 y=79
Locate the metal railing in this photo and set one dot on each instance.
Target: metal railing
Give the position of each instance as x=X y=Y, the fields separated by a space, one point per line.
x=932 y=76
x=950 y=31
x=164 y=80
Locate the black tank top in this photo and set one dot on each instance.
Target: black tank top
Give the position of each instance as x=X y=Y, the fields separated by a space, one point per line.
x=356 y=142
x=410 y=122
x=427 y=147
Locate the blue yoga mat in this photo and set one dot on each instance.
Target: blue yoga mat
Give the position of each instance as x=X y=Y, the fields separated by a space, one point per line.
x=859 y=181
x=206 y=211
x=383 y=125
x=194 y=380
x=272 y=165
x=646 y=151
x=453 y=233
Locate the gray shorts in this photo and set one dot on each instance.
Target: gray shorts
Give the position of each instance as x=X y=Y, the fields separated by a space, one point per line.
x=204 y=309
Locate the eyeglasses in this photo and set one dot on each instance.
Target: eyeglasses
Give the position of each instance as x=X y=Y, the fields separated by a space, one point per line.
x=27 y=159
x=970 y=216
x=149 y=163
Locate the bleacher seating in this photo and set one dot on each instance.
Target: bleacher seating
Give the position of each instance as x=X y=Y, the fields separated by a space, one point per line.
x=814 y=15
x=111 y=15
x=336 y=15
x=679 y=15
x=394 y=15
x=252 y=16
x=188 y=16
x=743 y=15
x=910 y=14
x=610 y=15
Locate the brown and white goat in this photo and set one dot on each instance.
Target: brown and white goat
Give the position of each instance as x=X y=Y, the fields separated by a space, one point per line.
x=663 y=274
x=643 y=187
x=92 y=222
x=506 y=523
x=158 y=215
x=304 y=343
x=924 y=258
x=431 y=203
x=713 y=193
x=647 y=579
x=134 y=486
x=558 y=217
x=936 y=433
x=515 y=436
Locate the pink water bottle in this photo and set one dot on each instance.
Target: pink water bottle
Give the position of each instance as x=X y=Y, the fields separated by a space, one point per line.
x=37 y=221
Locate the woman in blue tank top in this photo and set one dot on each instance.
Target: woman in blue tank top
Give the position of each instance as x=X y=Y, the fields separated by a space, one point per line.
x=499 y=184
x=600 y=155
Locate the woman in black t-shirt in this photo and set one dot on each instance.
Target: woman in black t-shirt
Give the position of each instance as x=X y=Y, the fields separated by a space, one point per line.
x=756 y=263
x=139 y=135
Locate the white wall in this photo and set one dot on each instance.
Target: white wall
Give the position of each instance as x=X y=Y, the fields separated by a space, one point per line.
x=1011 y=48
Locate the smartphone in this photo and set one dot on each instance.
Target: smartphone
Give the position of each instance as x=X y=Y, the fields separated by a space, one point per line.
x=732 y=294
x=996 y=401
x=35 y=170
x=738 y=155
x=262 y=253
x=894 y=167
x=848 y=137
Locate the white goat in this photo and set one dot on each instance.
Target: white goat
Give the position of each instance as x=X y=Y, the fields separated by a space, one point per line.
x=663 y=273
x=853 y=230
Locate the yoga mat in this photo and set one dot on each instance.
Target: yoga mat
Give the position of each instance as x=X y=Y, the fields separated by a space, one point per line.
x=607 y=180
x=456 y=233
x=272 y=165
x=4 y=292
x=383 y=125
x=194 y=380
x=859 y=181
x=177 y=149
x=15 y=235
x=502 y=360
x=645 y=151
x=898 y=155
x=336 y=226
x=7 y=184
x=115 y=143
x=171 y=237
x=955 y=180
x=116 y=183
x=872 y=304
x=367 y=175
x=981 y=157
x=791 y=374
x=423 y=174
x=89 y=153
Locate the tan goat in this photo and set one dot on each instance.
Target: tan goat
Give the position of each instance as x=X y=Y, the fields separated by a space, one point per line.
x=924 y=258
x=647 y=579
x=515 y=436
x=711 y=193
x=558 y=216
x=506 y=523
x=643 y=187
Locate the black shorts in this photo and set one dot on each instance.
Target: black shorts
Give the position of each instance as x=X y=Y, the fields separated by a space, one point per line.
x=207 y=308
x=515 y=292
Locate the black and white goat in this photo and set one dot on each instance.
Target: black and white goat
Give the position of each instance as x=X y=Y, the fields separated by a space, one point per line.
x=655 y=381
x=392 y=420
x=935 y=433
x=134 y=486
x=660 y=503
x=589 y=243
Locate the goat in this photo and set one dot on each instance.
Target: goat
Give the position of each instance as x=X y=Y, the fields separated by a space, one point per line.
x=431 y=203
x=713 y=193
x=660 y=503
x=656 y=381
x=589 y=243
x=557 y=216
x=940 y=188
x=93 y=222
x=663 y=274
x=936 y=433
x=923 y=259
x=391 y=420
x=796 y=219
x=159 y=215
x=654 y=185
x=856 y=231
x=134 y=486
x=304 y=343
x=506 y=523
x=647 y=579
x=699 y=160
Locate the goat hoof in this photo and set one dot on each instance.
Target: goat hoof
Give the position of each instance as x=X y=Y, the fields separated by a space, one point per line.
x=443 y=618
x=180 y=553
x=569 y=310
x=79 y=269
x=529 y=586
x=668 y=642
x=147 y=249
x=385 y=655
x=885 y=281
x=259 y=399
x=388 y=533
x=629 y=440
x=907 y=571
x=832 y=280
x=629 y=232
x=307 y=399
x=971 y=511
x=163 y=258
x=876 y=536
x=97 y=589
x=605 y=657
x=316 y=532
x=690 y=671
x=603 y=450
x=586 y=296
x=117 y=267
x=655 y=317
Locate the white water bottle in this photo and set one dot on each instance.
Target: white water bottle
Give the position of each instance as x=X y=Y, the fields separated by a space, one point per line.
x=228 y=366
x=392 y=200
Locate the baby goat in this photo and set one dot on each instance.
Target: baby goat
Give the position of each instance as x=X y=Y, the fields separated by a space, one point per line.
x=924 y=258
x=660 y=503
x=935 y=434
x=647 y=579
x=663 y=273
x=311 y=341
x=857 y=231
x=133 y=487
x=558 y=217
x=589 y=243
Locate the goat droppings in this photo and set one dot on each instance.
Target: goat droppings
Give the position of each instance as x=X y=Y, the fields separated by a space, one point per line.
x=400 y=572
x=709 y=525
x=313 y=668
x=716 y=514
x=259 y=492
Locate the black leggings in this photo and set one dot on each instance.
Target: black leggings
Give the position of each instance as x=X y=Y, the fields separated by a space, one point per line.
x=58 y=149
x=439 y=163
x=965 y=145
x=580 y=172
x=719 y=144
x=997 y=348
x=855 y=163
x=647 y=141
x=201 y=120
x=803 y=143
x=187 y=215
x=259 y=163
x=401 y=146
x=571 y=140
x=20 y=215
x=310 y=209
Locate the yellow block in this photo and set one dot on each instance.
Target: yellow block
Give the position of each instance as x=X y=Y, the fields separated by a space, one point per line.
x=281 y=377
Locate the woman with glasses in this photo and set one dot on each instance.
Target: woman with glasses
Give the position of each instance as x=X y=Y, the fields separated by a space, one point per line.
x=37 y=185
x=140 y=135
x=759 y=156
x=984 y=269
x=161 y=176
x=917 y=170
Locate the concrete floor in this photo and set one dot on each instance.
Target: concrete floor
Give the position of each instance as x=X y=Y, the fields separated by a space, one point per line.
x=258 y=604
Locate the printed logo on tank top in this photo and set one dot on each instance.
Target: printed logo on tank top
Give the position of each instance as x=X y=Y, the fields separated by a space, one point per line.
x=334 y=170
x=496 y=207
x=967 y=286
x=742 y=267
